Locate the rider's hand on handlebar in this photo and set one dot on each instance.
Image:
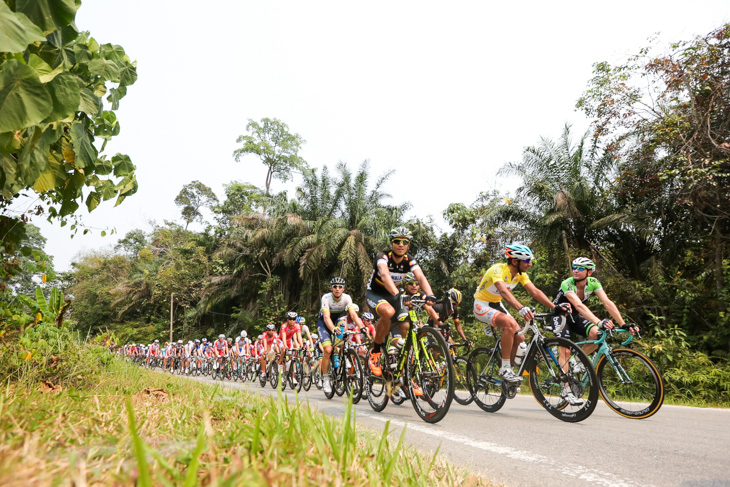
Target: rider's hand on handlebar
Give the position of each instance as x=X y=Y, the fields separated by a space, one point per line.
x=407 y=299
x=563 y=308
x=431 y=299
x=606 y=324
x=526 y=313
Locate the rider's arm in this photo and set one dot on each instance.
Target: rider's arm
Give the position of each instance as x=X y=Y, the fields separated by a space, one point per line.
x=432 y=313
x=539 y=295
x=387 y=280
x=328 y=320
x=459 y=329
x=507 y=295
x=354 y=317
x=581 y=308
x=610 y=306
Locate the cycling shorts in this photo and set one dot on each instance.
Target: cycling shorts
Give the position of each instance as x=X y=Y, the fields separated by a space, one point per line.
x=576 y=324
x=486 y=311
x=375 y=299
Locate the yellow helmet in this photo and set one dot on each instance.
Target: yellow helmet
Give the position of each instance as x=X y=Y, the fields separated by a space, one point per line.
x=454 y=295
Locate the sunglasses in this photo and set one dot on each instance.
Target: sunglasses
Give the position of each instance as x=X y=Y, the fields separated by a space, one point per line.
x=338 y=286
x=400 y=241
x=577 y=268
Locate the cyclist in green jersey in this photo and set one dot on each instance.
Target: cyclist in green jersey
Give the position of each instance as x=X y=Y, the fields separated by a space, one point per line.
x=576 y=290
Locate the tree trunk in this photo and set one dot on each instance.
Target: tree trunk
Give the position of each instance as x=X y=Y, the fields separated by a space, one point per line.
x=567 y=249
x=719 y=277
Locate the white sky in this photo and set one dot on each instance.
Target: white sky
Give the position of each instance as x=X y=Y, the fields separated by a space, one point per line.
x=445 y=92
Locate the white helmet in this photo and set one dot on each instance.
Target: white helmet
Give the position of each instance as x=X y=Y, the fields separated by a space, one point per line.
x=584 y=262
x=314 y=336
x=244 y=334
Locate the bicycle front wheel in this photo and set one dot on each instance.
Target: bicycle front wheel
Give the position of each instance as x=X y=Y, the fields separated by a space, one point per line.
x=353 y=375
x=548 y=380
x=376 y=387
x=483 y=379
x=462 y=394
x=430 y=372
x=630 y=383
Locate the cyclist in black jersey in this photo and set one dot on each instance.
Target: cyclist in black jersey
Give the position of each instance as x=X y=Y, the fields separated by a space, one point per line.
x=382 y=294
x=446 y=308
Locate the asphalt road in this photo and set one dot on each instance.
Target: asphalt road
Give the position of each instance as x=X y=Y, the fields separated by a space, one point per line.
x=523 y=445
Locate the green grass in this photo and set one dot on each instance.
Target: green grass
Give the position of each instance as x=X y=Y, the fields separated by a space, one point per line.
x=106 y=433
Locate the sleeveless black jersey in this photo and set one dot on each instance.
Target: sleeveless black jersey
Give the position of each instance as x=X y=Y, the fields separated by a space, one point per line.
x=397 y=270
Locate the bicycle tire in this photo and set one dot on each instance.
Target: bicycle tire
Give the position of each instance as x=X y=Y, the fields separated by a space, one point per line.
x=353 y=374
x=376 y=386
x=306 y=375
x=295 y=375
x=273 y=374
x=338 y=375
x=630 y=400
x=332 y=378
x=483 y=379
x=462 y=392
x=433 y=372
x=546 y=386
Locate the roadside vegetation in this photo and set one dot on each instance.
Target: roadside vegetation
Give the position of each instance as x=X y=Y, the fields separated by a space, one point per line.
x=111 y=423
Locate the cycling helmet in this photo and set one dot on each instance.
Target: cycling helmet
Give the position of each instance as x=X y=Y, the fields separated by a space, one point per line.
x=244 y=334
x=205 y=340
x=291 y=315
x=519 y=252
x=368 y=316
x=157 y=341
x=301 y=320
x=229 y=340
x=454 y=295
x=314 y=336
x=197 y=340
x=584 y=262
x=179 y=342
x=409 y=278
x=400 y=232
x=221 y=336
x=270 y=326
x=337 y=280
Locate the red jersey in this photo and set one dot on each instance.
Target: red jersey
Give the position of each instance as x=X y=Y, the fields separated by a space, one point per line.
x=288 y=331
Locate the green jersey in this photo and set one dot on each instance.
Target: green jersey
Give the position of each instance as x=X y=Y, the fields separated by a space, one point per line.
x=569 y=286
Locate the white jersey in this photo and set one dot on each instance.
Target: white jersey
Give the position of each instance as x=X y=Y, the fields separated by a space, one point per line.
x=336 y=307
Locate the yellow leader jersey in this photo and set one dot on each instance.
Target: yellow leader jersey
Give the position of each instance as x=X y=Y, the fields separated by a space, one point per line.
x=487 y=291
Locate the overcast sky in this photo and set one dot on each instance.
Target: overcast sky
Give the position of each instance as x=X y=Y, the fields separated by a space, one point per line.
x=443 y=92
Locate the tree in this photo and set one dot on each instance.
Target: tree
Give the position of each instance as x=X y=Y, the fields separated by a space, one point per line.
x=277 y=148
x=52 y=80
x=241 y=199
x=191 y=198
x=668 y=117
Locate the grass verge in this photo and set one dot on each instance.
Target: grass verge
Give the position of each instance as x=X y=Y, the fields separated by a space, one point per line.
x=187 y=433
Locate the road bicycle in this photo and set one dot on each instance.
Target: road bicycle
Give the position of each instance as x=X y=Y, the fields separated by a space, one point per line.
x=547 y=376
x=628 y=381
x=424 y=361
x=346 y=372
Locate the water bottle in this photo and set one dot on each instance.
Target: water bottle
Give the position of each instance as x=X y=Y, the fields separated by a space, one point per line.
x=520 y=354
x=336 y=361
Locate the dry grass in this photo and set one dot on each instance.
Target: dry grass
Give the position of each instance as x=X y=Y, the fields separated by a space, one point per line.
x=187 y=434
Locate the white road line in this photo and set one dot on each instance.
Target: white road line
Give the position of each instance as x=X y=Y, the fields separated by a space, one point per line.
x=589 y=475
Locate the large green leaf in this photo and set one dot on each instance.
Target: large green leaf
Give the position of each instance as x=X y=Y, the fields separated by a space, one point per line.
x=84 y=149
x=24 y=101
x=41 y=300
x=108 y=70
x=45 y=72
x=64 y=90
x=17 y=31
x=90 y=103
x=103 y=167
x=49 y=15
x=53 y=176
x=93 y=200
x=122 y=165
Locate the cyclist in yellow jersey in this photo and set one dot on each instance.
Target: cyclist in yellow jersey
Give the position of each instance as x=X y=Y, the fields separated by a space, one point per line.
x=496 y=285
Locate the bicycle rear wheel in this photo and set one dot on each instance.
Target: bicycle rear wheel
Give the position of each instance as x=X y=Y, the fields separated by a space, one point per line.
x=630 y=383
x=306 y=375
x=295 y=375
x=547 y=379
x=483 y=379
x=430 y=367
x=462 y=393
